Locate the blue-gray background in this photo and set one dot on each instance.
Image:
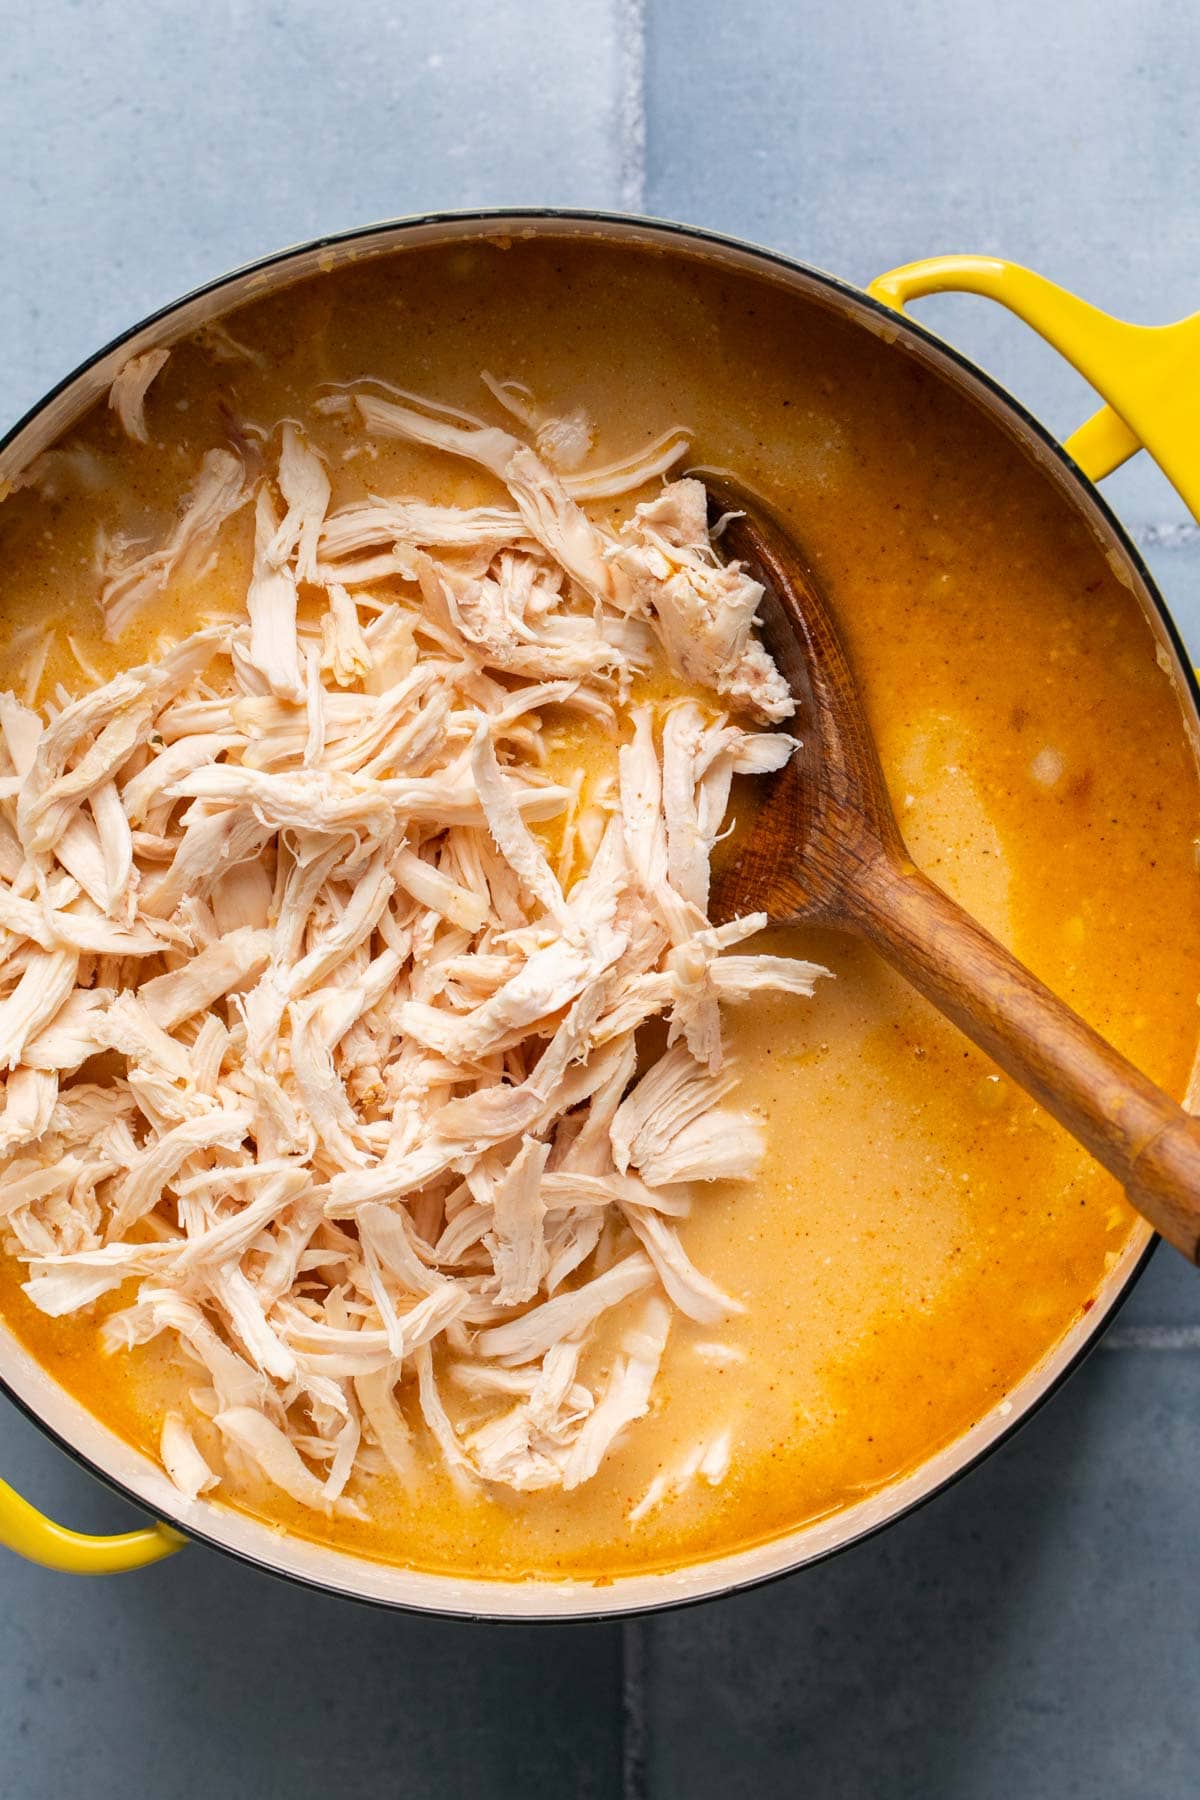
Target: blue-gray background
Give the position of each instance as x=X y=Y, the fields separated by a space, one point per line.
x=1032 y=1633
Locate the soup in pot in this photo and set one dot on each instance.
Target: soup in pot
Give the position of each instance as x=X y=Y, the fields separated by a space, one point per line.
x=391 y=1147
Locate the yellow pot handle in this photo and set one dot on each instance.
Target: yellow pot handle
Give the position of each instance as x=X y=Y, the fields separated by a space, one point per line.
x=27 y=1531
x=1149 y=375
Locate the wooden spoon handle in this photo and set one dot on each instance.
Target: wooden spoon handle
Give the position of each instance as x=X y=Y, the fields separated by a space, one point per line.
x=1139 y=1133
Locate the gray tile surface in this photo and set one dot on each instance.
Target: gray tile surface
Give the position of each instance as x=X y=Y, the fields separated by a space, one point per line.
x=200 y=1678
x=862 y=136
x=154 y=146
x=1166 y=1295
x=1030 y=1633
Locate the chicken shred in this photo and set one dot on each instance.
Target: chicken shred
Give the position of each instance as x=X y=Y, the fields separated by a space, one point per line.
x=127 y=395
x=219 y=491
x=372 y=1145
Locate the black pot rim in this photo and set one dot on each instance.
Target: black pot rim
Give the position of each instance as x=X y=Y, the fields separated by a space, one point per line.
x=899 y=323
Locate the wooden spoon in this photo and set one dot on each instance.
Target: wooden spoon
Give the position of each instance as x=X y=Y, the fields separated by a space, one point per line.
x=824 y=848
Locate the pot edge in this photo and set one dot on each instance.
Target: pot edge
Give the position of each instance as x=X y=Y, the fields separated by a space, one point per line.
x=786 y=1554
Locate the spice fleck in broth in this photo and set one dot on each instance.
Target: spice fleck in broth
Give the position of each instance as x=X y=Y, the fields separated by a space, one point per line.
x=919 y=1234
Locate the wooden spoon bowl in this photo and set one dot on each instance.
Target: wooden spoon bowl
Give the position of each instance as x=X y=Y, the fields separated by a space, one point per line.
x=825 y=848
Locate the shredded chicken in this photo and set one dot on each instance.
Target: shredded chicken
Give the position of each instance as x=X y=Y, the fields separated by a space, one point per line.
x=321 y=994
x=127 y=396
x=220 y=490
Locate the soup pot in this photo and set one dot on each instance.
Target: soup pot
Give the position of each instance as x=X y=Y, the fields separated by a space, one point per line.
x=1145 y=376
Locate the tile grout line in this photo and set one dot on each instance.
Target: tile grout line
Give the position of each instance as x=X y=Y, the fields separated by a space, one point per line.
x=1152 y=1337
x=1165 y=534
x=631 y=104
x=633 y=1710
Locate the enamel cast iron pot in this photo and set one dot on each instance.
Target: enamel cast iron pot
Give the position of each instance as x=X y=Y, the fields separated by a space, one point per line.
x=1143 y=373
